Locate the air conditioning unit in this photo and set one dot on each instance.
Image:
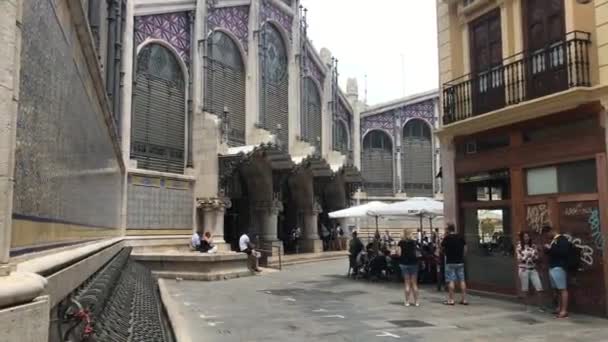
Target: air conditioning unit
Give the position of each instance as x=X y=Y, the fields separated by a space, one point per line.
x=470 y=147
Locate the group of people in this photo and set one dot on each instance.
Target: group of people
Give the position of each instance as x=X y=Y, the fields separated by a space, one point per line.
x=453 y=248
x=203 y=243
x=562 y=258
x=332 y=237
x=452 y=251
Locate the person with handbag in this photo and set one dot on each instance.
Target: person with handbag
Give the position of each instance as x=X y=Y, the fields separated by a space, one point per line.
x=409 y=253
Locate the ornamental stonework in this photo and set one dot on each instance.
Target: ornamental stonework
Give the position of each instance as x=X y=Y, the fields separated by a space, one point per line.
x=232 y=19
x=173 y=28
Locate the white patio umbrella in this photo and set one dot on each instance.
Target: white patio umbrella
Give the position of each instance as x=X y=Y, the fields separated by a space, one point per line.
x=359 y=211
x=414 y=207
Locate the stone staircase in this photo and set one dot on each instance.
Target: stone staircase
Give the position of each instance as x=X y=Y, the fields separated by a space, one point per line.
x=303 y=258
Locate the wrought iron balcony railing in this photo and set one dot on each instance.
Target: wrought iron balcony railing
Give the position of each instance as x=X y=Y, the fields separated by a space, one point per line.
x=522 y=77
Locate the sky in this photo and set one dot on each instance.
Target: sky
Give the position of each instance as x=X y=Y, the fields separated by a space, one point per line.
x=393 y=42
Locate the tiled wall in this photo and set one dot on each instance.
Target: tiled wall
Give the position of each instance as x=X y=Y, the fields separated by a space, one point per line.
x=159 y=203
x=66 y=169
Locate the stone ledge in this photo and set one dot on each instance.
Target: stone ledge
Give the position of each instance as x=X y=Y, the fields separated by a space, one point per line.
x=20 y=287
x=194 y=265
x=26 y=323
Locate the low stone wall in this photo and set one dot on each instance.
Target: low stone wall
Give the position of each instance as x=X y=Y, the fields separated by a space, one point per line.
x=194 y=265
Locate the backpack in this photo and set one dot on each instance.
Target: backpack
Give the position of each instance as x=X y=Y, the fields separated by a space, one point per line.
x=573 y=259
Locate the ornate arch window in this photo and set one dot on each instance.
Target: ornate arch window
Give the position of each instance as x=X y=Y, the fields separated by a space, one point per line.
x=159 y=111
x=377 y=164
x=225 y=87
x=311 y=114
x=274 y=102
x=342 y=137
x=417 y=159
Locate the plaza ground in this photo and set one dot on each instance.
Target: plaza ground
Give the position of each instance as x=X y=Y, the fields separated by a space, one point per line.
x=316 y=302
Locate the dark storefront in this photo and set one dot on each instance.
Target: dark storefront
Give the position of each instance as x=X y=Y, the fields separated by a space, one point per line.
x=551 y=170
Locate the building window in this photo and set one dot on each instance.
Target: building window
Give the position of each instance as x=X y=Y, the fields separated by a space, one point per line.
x=377 y=164
x=274 y=102
x=311 y=115
x=225 y=85
x=158 y=122
x=417 y=158
x=576 y=177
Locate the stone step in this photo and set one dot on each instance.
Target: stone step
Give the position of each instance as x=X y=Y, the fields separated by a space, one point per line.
x=302 y=258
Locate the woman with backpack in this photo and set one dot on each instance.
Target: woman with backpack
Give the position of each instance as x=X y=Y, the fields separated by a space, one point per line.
x=409 y=253
x=527 y=257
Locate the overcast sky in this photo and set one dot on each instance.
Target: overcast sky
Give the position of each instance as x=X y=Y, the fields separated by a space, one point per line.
x=373 y=37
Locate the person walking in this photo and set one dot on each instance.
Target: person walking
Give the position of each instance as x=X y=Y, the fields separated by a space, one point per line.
x=558 y=251
x=454 y=248
x=527 y=257
x=408 y=262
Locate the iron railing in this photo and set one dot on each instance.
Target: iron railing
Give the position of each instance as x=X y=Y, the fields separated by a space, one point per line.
x=525 y=76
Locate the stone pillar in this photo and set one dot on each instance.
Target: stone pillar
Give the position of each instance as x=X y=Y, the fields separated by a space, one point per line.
x=10 y=54
x=267 y=215
x=213 y=210
x=311 y=242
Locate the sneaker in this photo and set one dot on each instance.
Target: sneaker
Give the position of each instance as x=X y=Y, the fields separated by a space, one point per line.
x=406 y=303
x=417 y=305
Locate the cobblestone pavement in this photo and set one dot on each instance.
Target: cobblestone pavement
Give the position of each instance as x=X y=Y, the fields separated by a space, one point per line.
x=316 y=302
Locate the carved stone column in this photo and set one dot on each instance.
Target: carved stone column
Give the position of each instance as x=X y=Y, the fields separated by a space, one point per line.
x=267 y=213
x=311 y=242
x=213 y=217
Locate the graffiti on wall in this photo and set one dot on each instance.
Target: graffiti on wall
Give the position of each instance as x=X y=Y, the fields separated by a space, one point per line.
x=580 y=222
x=537 y=216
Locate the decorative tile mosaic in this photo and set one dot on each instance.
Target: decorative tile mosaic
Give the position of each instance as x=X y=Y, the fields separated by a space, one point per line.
x=233 y=19
x=174 y=28
x=270 y=12
x=313 y=69
x=66 y=169
x=166 y=207
x=386 y=120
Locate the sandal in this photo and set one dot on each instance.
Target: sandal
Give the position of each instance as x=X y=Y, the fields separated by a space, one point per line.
x=447 y=302
x=462 y=302
x=562 y=316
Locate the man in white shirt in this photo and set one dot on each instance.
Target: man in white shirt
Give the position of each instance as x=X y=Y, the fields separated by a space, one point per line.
x=252 y=256
x=195 y=241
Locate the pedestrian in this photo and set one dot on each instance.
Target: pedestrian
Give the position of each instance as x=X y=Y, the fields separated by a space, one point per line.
x=207 y=245
x=325 y=235
x=341 y=238
x=355 y=247
x=246 y=247
x=527 y=257
x=408 y=262
x=454 y=247
x=558 y=251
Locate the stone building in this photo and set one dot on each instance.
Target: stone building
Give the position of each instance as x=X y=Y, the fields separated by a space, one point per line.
x=140 y=120
x=523 y=134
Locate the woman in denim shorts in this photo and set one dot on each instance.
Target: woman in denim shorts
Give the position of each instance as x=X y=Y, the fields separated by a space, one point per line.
x=408 y=262
x=527 y=257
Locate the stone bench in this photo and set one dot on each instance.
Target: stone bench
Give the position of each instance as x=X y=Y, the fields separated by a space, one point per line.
x=189 y=265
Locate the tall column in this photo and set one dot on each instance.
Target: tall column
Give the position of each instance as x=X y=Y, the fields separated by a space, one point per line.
x=311 y=242
x=398 y=152
x=252 y=91
x=267 y=215
x=10 y=53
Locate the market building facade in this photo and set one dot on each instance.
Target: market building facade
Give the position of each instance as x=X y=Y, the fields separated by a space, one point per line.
x=523 y=134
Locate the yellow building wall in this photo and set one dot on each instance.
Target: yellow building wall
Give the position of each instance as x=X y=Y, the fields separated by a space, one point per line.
x=453 y=33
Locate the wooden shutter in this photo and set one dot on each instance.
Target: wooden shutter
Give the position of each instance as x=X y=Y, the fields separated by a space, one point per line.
x=417 y=159
x=545 y=32
x=486 y=61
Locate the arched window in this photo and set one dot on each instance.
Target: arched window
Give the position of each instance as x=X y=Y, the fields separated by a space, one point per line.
x=158 y=122
x=274 y=94
x=377 y=163
x=311 y=114
x=342 y=137
x=417 y=158
x=225 y=87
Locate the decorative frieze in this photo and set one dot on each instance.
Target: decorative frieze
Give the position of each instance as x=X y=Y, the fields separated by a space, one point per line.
x=174 y=28
x=232 y=19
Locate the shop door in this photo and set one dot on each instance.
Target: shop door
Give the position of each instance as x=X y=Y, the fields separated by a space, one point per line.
x=490 y=246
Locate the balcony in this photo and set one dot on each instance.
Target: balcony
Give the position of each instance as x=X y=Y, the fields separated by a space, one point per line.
x=525 y=76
